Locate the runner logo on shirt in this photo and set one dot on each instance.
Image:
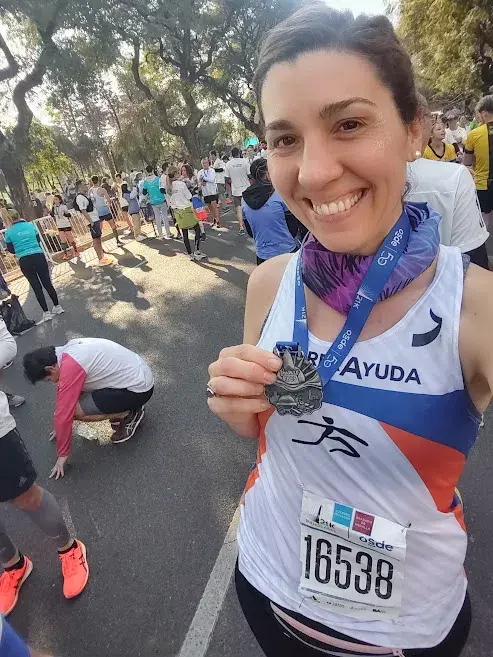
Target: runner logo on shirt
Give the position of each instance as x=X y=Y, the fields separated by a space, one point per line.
x=328 y=430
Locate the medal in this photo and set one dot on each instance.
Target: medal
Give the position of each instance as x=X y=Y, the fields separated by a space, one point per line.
x=298 y=388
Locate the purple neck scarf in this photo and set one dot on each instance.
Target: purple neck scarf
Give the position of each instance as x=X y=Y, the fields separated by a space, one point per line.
x=336 y=277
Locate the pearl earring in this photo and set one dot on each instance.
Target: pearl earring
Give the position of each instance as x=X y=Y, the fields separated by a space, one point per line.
x=417 y=155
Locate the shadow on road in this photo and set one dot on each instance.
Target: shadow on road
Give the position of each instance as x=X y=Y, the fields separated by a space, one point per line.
x=154 y=511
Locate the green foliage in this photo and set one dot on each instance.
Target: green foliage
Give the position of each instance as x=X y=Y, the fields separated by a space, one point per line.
x=45 y=160
x=450 y=42
x=231 y=74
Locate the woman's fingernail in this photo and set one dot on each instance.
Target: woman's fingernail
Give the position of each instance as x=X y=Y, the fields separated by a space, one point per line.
x=269 y=377
x=274 y=363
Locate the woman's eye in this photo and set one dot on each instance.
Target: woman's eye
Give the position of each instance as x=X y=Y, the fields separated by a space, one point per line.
x=349 y=126
x=284 y=142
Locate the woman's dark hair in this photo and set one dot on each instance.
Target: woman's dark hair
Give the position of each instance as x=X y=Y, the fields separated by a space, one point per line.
x=189 y=169
x=317 y=27
x=36 y=362
x=173 y=172
x=235 y=152
x=124 y=188
x=59 y=197
x=258 y=169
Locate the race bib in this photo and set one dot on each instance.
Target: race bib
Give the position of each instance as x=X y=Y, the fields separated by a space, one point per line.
x=351 y=561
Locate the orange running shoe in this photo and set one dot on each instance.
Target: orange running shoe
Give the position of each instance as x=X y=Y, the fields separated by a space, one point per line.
x=10 y=585
x=75 y=570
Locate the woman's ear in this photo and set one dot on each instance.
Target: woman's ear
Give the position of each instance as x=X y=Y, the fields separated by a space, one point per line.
x=415 y=138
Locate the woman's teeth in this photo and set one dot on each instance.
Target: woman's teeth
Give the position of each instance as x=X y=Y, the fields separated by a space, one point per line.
x=340 y=206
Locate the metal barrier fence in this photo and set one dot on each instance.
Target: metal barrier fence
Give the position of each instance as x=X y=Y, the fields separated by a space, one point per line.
x=50 y=239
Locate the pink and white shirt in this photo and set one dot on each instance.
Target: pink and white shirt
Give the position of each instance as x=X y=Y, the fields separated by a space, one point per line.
x=88 y=364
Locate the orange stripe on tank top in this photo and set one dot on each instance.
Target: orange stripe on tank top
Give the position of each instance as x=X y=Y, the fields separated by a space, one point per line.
x=439 y=466
x=263 y=418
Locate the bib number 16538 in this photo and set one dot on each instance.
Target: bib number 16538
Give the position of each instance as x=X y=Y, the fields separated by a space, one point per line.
x=331 y=563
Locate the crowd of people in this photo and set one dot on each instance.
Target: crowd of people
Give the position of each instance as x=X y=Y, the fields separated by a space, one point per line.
x=365 y=366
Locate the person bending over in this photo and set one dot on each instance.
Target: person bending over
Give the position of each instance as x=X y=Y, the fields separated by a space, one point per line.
x=96 y=380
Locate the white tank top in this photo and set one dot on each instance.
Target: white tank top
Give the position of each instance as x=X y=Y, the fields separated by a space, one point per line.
x=403 y=393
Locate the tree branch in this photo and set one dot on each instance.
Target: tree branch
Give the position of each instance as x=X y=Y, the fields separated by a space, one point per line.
x=34 y=78
x=160 y=104
x=136 y=72
x=12 y=67
x=196 y=114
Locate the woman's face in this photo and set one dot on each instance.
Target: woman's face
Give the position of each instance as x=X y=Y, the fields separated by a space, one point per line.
x=338 y=158
x=183 y=172
x=56 y=200
x=438 y=130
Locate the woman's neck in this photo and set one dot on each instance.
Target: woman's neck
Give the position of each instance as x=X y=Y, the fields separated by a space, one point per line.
x=437 y=145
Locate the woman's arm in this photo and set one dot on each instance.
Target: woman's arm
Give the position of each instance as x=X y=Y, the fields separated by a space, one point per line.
x=475 y=344
x=241 y=372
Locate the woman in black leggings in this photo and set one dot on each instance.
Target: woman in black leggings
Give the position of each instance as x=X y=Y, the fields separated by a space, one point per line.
x=280 y=638
x=23 y=239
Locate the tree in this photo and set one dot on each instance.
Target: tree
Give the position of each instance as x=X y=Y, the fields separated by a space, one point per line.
x=45 y=163
x=451 y=43
x=46 y=42
x=230 y=75
x=14 y=144
x=172 y=46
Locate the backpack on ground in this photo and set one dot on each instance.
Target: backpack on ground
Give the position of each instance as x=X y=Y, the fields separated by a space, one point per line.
x=14 y=316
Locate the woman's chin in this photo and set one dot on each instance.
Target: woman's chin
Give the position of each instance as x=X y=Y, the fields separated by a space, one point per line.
x=345 y=243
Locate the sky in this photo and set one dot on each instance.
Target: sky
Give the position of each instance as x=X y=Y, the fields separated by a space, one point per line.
x=359 y=6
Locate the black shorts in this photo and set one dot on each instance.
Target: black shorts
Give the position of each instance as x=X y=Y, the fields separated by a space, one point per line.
x=106 y=217
x=17 y=473
x=485 y=197
x=275 y=640
x=237 y=201
x=64 y=230
x=211 y=198
x=113 y=400
x=95 y=229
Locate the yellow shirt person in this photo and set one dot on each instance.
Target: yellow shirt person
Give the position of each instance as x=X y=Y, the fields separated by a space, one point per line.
x=480 y=143
x=437 y=149
x=448 y=154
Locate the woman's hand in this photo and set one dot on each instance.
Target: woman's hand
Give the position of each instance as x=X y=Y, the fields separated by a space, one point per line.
x=238 y=378
x=58 y=469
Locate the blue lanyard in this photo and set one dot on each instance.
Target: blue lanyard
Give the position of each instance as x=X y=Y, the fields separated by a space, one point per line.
x=380 y=270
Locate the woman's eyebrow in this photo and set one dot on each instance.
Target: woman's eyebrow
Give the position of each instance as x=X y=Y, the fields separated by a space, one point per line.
x=327 y=112
x=279 y=124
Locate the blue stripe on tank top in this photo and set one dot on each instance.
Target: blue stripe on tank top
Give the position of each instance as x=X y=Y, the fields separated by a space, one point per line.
x=441 y=418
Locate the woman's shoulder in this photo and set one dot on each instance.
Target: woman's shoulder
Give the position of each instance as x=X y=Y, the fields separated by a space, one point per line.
x=477 y=322
x=266 y=278
x=263 y=285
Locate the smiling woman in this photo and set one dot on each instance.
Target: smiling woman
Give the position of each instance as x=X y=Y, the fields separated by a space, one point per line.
x=373 y=347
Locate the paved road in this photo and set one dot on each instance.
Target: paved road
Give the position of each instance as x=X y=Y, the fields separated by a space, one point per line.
x=154 y=512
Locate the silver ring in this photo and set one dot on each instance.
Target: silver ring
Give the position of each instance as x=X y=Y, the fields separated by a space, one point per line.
x=211 y=392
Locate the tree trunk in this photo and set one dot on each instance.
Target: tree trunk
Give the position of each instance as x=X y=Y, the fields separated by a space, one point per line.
x=17 y=184
x=191 y=139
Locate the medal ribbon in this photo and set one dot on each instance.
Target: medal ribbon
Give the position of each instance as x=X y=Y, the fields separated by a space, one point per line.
x=380 y=270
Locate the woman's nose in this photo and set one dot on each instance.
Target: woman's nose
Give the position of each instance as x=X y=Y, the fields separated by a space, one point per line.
x=320 y=164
